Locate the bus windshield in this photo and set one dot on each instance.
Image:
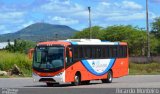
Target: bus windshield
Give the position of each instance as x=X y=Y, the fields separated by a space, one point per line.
x=48 y=57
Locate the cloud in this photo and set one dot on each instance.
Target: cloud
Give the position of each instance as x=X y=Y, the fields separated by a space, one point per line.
x=105 y=3
x=11 y=17
x=65 y=7
x=131 y=5
x=57 y=6
x=121 y=11
x=63 y=21
x=135 y=16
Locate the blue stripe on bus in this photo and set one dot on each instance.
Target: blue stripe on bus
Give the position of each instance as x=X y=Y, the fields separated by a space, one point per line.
x=74 y=43
x=90 y=69
x=116 y=43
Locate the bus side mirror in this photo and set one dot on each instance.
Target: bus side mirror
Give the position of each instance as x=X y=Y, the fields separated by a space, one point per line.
x=30 y=53
x=70 y=54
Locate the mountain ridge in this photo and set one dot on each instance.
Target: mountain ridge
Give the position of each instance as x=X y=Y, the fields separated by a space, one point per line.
x=40 y=32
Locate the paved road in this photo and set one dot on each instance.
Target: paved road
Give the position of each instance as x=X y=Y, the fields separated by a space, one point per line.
x=132 y=83
x=138 y=81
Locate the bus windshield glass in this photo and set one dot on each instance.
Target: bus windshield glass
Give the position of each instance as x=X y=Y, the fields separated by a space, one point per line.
x=48 y=57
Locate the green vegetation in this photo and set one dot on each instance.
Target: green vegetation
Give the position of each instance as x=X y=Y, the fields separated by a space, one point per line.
x=135 y=37
x=17 y=54
x=8 y=59
x=144 y=69
x=156 y=27
x=156 y=31
x=21 y=46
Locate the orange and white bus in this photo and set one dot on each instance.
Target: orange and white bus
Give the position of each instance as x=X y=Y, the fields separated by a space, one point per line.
x=79 y=61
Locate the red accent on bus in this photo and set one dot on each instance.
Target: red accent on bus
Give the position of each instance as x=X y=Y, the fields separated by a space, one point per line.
x=48 y=74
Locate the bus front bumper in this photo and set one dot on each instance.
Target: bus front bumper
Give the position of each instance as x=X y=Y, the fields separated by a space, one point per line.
x=55 y=79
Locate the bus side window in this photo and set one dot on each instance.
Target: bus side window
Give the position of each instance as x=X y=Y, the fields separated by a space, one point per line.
x=103 y=52
x=98 y=52
x=120 y=52
x=115 y=51
x=75 y=53
x=125 y=51
x=93 y=52
x=87 y=52
x=80 y=53
x=110 y=52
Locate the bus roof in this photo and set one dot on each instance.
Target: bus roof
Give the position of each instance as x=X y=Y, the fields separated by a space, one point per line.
x=50 y=43
x=81 y=42
x=93 y=42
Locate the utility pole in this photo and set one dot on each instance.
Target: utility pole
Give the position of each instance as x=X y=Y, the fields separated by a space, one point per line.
x=89 y=10
x=148 y=35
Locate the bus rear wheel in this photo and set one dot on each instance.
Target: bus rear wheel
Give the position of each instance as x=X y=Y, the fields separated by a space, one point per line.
x=109 y=78
x=77 y=80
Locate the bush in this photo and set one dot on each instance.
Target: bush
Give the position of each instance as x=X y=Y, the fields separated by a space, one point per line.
x=8 y=59
x=21 y=46
x=142 y=69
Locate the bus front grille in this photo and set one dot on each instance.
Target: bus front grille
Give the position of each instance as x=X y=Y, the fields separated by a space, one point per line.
x=46 y=80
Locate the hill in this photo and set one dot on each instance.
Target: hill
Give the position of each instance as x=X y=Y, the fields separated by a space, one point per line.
x=40 y=32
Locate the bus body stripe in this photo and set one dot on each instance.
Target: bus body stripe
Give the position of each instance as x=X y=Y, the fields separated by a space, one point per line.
x=91 y=70
x=74 y=43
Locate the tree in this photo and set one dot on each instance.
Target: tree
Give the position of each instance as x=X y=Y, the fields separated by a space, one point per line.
x=135 y=37
x=156 y=27
x=21 y=46
x=156 y=32
x=85 y=33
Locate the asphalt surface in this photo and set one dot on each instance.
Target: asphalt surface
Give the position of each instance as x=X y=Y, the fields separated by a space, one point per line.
x=132 y=81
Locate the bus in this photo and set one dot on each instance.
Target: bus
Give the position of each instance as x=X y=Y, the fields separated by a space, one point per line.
x=78 y=61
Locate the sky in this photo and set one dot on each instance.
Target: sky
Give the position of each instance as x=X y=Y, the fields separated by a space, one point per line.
x=18 y=14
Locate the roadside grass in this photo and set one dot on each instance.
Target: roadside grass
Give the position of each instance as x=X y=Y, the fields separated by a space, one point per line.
x=8 y=59
x=144 y=69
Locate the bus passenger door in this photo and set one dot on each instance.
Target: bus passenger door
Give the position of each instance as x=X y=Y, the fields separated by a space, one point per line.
x=69 y=62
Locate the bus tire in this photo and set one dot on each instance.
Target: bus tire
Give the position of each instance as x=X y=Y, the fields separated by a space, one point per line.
x=77 y=79
x=50 y=84
x=109 y=77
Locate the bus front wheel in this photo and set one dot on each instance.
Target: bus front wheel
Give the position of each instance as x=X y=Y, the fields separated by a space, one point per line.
x=77 y=80
x=109 y=78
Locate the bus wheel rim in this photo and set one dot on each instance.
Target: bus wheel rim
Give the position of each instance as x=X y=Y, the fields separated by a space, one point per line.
x=109 y=76
x=76 y=79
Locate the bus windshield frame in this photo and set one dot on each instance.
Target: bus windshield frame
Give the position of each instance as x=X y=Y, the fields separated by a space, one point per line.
x=48 y=58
